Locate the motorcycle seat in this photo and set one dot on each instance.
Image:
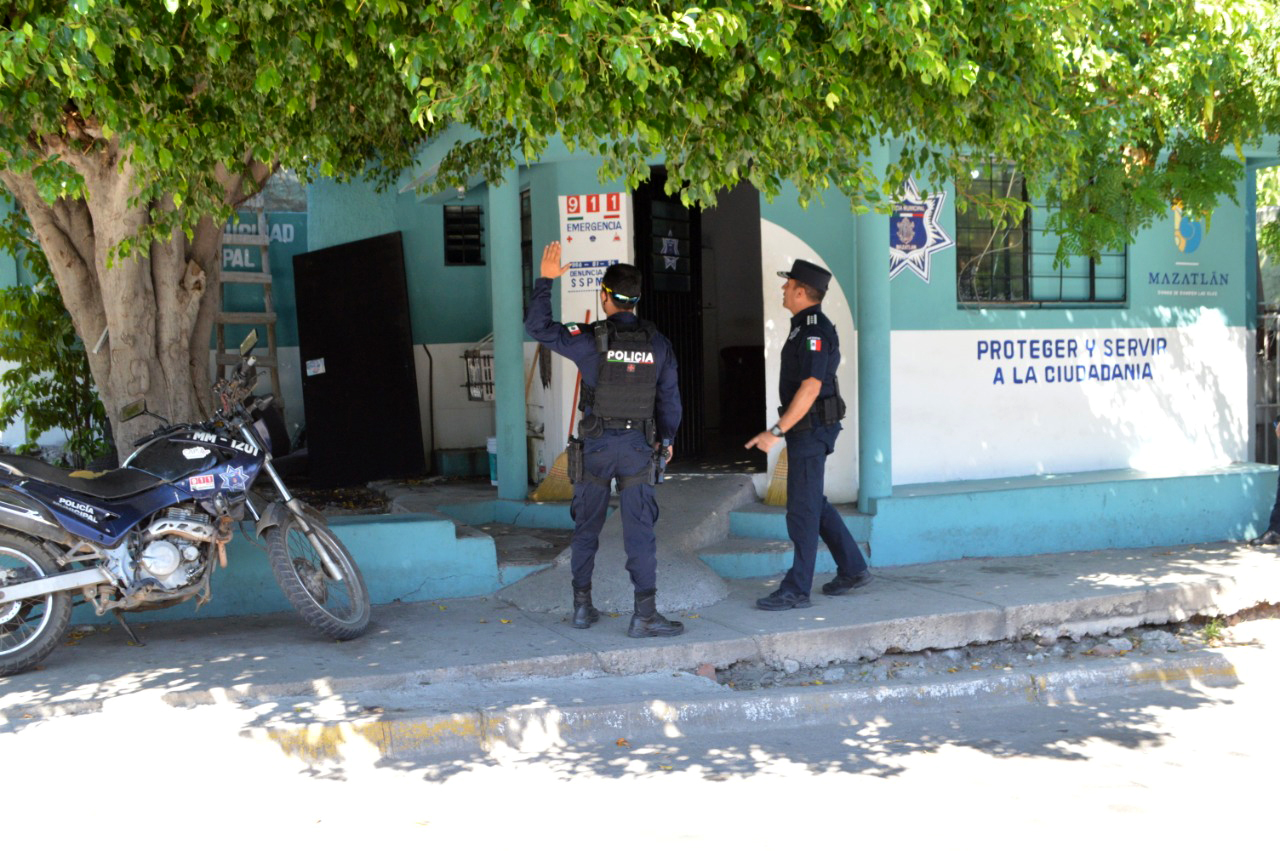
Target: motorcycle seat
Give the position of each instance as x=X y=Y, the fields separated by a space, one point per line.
x=113 y=484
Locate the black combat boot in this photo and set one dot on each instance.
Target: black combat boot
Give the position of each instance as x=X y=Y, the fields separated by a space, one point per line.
x=584 y=614
x=647 y=623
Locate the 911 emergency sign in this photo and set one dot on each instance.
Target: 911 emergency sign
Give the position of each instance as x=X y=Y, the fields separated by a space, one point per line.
x=595 y=233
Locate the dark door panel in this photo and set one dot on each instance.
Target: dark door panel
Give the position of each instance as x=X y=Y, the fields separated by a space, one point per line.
x=668 y=253
x=359 y=386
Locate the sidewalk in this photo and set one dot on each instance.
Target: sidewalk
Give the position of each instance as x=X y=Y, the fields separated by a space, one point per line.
x=479 y=641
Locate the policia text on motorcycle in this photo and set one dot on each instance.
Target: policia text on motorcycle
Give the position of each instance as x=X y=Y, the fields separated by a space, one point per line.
x=810 y=420
x=630 y=411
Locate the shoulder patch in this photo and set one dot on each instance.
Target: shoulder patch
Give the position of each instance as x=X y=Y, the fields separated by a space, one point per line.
x=813 y=319
x=573 y=328
x=815 y=344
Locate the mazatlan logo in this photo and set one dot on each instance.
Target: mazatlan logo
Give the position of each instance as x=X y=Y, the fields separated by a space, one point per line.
x=1187 y=232
x=1189 y=278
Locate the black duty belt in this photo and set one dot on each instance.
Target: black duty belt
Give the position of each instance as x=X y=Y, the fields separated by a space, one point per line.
x=805 y=423
x=609 y=422
x=825 y=411
x=593 y=426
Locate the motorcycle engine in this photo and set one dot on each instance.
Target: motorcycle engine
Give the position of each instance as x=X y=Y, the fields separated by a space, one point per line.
x=171 y=551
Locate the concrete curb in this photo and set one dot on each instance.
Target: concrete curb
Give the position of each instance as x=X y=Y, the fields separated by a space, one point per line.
x=811 y=647
x=484 y=642
x=543 y=728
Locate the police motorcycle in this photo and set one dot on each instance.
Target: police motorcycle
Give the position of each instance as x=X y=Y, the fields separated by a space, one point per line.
x=149 y=534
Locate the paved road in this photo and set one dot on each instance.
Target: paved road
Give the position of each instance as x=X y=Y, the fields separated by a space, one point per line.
x=1188 y=762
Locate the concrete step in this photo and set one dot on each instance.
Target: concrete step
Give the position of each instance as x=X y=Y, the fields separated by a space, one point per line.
x=404 y=557
x=694 y=513
x=769 y=522
x=750 y=558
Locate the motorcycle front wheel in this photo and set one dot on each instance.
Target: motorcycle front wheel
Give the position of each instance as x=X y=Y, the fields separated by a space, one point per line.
x=339 y=610
x=31 y=628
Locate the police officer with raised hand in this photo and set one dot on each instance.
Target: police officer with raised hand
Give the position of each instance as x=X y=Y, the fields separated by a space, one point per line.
x=631 y=409
x=810 y=421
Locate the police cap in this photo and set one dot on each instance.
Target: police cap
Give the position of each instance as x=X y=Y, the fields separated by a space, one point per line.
x=809 y=274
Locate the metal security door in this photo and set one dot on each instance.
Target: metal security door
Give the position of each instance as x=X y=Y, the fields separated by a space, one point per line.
x=359 y=386
x=668 y=253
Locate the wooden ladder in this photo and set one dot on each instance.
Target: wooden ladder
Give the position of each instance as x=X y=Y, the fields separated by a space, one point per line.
x=226 y=361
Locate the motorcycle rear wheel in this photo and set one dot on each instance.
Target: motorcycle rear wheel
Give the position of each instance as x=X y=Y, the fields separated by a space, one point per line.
x=29 y=629
x=339 y=610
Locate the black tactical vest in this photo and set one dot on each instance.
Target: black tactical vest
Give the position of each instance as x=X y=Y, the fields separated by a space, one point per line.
x=627 y=380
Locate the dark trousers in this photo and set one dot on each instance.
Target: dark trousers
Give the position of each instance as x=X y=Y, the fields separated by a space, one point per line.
x=616 y=453
x=810 y=516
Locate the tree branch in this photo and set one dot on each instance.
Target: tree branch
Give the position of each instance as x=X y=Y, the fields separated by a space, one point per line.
x=79 y=225
x=179 y=287
x=72 y=269
x=204 y=250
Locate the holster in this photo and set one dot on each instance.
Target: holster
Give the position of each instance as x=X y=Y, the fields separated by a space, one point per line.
x=826 y=411
x=840 y=406
x=590 y=426
x=574 y=453
x=832 y=410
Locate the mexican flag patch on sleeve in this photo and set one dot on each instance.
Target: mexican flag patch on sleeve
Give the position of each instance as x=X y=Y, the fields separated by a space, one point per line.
x=573 y=328
x=815 y=344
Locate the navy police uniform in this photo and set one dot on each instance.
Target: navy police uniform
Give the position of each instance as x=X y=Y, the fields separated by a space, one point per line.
x=812 y=350
x=621 y=450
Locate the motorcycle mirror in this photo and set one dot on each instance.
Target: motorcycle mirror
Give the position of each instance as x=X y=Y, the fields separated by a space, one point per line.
x=250 y=340
x=136 y=409
x=133 y=410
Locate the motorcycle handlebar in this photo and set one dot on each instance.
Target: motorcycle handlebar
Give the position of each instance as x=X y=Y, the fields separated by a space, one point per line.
x=160 y=432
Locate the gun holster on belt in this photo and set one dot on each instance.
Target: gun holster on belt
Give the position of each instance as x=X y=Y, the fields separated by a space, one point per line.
x=826 y=411
x=574 y=453
x=831 y=410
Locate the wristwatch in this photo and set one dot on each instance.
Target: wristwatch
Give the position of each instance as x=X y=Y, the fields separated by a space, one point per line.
x=775 y=431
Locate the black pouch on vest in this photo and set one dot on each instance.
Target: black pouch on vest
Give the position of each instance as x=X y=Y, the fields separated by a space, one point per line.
x=832 y=410
x=590 y=426
x=839 y=409
x=574 y=453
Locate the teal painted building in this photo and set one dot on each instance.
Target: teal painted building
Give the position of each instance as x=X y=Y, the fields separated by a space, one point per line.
x=999 y=403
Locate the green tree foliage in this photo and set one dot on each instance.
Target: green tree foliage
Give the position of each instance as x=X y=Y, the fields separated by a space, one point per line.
x=1269 y=196
x=48 y=384
x=130 y=128
x=1112 y=109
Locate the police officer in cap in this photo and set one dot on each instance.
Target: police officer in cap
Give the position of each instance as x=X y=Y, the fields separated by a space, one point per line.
x=631 y=409
x=810 y=421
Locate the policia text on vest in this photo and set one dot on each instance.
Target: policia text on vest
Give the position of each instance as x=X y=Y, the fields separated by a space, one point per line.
x=623 y=398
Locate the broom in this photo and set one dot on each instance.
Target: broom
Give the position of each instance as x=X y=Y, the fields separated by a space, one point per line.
x=777 y=492
x=556 y=487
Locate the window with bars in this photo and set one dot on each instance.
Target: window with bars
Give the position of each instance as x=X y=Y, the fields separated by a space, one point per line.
x=991 y=259
x=1015 y=264
x=463 y=235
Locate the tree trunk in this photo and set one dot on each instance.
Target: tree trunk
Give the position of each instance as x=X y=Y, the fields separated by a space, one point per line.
x=157 y=309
